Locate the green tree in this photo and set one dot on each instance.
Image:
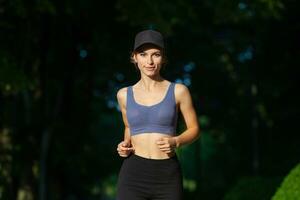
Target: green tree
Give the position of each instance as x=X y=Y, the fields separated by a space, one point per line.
x=290 y=187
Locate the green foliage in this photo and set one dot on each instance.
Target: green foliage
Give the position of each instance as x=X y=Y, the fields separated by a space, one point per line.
x=12 y=79
x=108 y=187
x=164 y=16
x=46 y=6
x=240 y=11
x=290 y=187
x=249 y=188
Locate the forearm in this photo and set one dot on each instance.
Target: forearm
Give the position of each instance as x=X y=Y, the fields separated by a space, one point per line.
x=187 y=137
x=127 y=135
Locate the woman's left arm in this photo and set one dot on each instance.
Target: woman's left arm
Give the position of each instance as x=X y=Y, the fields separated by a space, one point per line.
x=192 y=131
x=185 y=104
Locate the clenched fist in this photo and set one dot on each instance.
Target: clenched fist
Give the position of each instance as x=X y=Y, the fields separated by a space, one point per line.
x=124 y=148
x=167 y=144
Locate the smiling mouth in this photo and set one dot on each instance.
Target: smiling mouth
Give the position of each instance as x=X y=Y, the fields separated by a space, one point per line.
x=150 y=68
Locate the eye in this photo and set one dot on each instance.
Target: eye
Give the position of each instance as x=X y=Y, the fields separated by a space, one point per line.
x=142 y=54
x=157 y=55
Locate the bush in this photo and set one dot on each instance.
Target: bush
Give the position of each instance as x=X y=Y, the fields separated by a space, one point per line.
x=290 y=186
x=249 y=188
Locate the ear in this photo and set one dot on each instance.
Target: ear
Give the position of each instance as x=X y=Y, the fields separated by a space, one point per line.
x=134 y=58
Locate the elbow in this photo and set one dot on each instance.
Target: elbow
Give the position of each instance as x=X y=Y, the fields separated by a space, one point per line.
x=197 y=132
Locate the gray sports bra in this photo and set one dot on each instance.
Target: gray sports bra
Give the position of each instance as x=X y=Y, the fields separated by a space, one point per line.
x=159 y=118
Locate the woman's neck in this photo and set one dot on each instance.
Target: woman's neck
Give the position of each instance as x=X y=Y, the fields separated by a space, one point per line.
x=148 y=84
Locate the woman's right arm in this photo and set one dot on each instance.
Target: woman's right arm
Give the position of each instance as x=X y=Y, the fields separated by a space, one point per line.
x=124 y=147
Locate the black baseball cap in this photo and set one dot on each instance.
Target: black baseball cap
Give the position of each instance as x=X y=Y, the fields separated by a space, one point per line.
x=148 y=36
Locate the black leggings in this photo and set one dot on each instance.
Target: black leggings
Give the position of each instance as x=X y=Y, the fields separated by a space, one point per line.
x=150 y=179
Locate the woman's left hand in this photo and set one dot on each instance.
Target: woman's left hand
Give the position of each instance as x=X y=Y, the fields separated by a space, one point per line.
x=166 y=144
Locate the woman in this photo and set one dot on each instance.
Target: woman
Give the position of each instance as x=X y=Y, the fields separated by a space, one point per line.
x=151 y=170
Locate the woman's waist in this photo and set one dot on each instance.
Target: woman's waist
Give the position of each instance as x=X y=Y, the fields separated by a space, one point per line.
x=145 y=145
x=153 y=155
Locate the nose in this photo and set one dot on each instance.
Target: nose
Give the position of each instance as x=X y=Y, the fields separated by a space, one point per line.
x=150 y=60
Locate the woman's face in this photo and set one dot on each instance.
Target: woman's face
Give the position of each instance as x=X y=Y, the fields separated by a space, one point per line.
x=149 y=60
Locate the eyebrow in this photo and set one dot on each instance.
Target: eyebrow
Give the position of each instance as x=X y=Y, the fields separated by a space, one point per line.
x=158 y=51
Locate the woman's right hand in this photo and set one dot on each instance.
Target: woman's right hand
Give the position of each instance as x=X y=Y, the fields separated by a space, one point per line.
x=124 y=148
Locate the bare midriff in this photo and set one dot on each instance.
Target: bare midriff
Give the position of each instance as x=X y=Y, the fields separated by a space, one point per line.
x=144 y=145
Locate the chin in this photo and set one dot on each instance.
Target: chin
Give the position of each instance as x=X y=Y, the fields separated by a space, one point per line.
x=151 y=74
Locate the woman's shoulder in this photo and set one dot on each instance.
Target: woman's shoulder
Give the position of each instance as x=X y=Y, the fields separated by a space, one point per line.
x=121 y=93
x=181 y=92
x=180 y=88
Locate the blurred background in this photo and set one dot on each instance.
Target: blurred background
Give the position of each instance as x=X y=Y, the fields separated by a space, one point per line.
x=62 y=62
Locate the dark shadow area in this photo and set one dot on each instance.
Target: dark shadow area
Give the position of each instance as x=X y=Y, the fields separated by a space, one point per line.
x=62 y=62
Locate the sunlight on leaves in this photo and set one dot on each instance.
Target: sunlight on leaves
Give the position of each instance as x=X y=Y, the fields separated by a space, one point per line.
x=189 y=184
